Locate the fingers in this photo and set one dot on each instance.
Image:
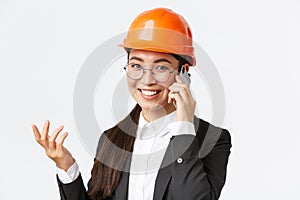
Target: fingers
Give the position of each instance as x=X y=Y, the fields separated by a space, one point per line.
x=185 y=103
x=44 y=134
x=61 y=140
x=169 y=98
x=52 y=139
x=36 y=132
x=179 y=85
x=184 y=92
x=38 y=136
x=176 y=96
x=178 y=79
x=180 y=88
x=46 y=141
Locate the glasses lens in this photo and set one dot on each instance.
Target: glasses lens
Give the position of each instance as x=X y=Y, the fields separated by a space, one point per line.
x=161 y=76
x=134 y=71
x=161 y=73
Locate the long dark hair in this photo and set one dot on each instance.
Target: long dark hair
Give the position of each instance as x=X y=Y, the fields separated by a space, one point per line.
x=105 y=179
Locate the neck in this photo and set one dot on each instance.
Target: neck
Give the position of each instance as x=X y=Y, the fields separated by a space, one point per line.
x=157 y=112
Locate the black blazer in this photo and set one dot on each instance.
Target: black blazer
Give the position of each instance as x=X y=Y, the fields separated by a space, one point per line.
x=197 y=174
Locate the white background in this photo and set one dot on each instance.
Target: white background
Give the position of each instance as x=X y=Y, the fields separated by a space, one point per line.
x=253 y=44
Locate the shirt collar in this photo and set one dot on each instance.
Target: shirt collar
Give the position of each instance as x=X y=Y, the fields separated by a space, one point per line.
x=156 y=127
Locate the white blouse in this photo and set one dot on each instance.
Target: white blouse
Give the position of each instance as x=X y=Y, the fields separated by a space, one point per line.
x=148 y=151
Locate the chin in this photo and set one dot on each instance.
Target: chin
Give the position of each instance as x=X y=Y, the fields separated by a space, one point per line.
x=150 y=106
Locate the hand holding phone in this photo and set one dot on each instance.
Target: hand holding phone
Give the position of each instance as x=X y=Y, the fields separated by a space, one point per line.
x=181 y=96
x=185 y=77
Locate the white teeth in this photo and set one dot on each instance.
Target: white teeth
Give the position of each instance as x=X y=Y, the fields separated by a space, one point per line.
x=149 y=93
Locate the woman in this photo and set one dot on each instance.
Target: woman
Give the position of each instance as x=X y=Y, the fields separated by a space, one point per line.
x=160 y=150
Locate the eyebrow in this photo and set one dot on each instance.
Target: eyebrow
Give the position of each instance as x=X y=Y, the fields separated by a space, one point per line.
x=156 y=61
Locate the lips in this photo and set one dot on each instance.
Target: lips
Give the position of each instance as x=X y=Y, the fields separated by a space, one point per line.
x=149 y=93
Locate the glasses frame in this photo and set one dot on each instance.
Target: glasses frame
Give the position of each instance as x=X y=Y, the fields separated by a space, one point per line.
x=170 y=72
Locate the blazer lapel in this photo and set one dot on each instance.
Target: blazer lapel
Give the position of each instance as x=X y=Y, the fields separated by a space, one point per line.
x=164 y=174
x=162 y=181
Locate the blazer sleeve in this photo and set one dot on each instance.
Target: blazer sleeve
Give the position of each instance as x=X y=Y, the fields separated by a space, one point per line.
x=73 y=191
x=76 y=189
x=215 y=163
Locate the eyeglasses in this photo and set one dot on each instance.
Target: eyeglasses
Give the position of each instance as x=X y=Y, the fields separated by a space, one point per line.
x=161 y=73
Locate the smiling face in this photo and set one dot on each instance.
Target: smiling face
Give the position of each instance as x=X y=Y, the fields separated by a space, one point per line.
x=150 y=94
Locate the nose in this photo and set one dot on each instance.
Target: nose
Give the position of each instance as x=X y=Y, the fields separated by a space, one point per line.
x=147 y=77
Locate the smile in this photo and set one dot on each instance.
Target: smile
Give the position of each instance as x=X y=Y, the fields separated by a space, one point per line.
x=149 y=93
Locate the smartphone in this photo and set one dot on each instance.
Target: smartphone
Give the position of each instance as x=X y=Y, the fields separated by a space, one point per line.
x=185 y=76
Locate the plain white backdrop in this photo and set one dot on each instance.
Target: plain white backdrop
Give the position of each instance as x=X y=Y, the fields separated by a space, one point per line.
x=254 y=45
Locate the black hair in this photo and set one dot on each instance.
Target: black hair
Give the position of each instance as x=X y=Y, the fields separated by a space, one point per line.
x=182 y=60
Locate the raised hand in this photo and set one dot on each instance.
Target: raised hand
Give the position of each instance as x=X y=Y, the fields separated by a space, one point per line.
x=185 y=103
x=53 y=145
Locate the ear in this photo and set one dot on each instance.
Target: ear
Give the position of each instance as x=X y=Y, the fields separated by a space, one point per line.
x=187 y=67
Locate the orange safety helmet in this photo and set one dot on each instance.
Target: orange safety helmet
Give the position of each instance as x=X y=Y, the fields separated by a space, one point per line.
x=161 y=30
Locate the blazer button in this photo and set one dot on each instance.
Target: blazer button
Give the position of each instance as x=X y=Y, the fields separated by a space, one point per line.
x=179 y=160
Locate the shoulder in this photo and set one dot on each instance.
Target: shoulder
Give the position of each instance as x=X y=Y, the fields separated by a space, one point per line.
x=210 y=136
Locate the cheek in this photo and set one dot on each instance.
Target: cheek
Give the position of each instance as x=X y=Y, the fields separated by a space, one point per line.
x=131 y=84
x=168 y=83
x=166 y=86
